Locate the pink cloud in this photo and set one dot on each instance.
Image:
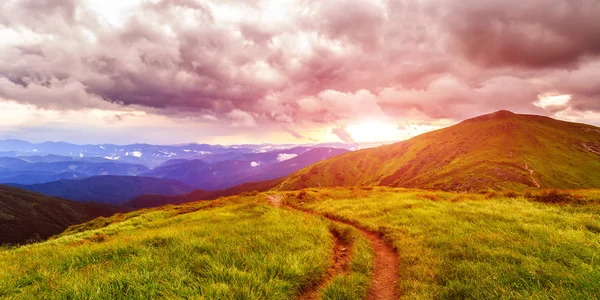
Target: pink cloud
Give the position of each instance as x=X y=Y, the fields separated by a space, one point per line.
x=321 y=63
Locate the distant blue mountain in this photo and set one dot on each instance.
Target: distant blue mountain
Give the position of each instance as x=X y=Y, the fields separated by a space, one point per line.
x=149 y=155
x=32 y=170
x=242 y=168
x=108 y=189
x=201 y=166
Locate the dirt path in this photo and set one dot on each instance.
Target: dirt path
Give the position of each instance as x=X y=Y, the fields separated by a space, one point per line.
x=274 y=200
x=384 y=284
x=531 y=174
x=339 y=262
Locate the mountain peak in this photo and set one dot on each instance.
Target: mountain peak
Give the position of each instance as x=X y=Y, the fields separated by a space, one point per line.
x=502 y=114
x=497 y=115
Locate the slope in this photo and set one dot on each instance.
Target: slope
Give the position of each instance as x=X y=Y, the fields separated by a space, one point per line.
x=26 y=215
x=228 y=249
x=109 y=189
x=498 y=151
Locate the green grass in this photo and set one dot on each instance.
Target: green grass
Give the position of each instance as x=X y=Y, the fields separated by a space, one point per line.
x=534 y=245
x=354 y=285
x=236 y=248
x=471 y=246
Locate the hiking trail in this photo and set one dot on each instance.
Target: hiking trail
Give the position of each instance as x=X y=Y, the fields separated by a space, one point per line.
x=531 y=174
x=384 y=283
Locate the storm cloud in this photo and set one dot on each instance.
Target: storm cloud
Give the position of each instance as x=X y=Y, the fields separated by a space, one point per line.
x=258 y=63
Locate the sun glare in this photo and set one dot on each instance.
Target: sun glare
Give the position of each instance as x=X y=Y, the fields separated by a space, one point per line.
x=111 y=12
x=552 y=100
x=374 y=132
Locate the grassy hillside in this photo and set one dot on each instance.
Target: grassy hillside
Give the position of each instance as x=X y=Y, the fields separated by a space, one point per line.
x=27 y=216
x=500 y=151
x=541 y=245
x=233 y=248
x=478 y=246
x=109 y=189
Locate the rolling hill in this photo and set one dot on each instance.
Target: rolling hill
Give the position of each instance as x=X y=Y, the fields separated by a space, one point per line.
x=27 y=215
x=108 y=189
x=498 y=151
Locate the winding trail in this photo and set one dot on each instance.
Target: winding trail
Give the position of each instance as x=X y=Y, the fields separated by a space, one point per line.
x=384 y=284
x=339 y=263
x=531 y=174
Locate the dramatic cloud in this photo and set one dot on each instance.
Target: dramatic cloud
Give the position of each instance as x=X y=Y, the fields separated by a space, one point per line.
x=343 y=134
x=535 y=33
x=298 y=67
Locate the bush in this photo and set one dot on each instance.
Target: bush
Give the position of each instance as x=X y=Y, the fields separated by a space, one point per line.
x=510 y=194
x=552 y=196
x=302 y=195
x=490 y=195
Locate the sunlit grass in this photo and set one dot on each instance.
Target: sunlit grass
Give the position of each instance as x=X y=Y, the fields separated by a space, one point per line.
x=228 y=249
x=478 y=246
x=543 y=245
x=355 y=284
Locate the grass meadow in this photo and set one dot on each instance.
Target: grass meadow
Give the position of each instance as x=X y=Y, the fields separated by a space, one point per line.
x=355 y=283
x=478 y=246
x=233 y=248
x=227 y=249
x=542 y=245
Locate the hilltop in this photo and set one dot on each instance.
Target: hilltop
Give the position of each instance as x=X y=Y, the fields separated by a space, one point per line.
x=498 y=151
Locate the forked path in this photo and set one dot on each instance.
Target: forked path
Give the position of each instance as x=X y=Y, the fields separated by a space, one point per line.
x=384 y=284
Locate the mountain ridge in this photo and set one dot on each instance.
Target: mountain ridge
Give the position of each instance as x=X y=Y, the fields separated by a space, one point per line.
x=497 y=151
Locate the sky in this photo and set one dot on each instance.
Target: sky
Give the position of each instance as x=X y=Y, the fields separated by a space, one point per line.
x=287 y=71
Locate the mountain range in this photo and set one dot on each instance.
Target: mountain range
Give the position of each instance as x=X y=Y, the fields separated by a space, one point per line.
x=149 y=155
x=242 y=168
x=79 y=179
x=495 y=152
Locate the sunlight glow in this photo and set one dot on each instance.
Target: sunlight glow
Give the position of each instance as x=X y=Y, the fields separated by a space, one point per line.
x=112 y=12
x=545 y=101
x=374 y=132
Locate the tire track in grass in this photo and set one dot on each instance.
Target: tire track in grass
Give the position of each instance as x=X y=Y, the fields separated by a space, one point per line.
x=384 y=283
